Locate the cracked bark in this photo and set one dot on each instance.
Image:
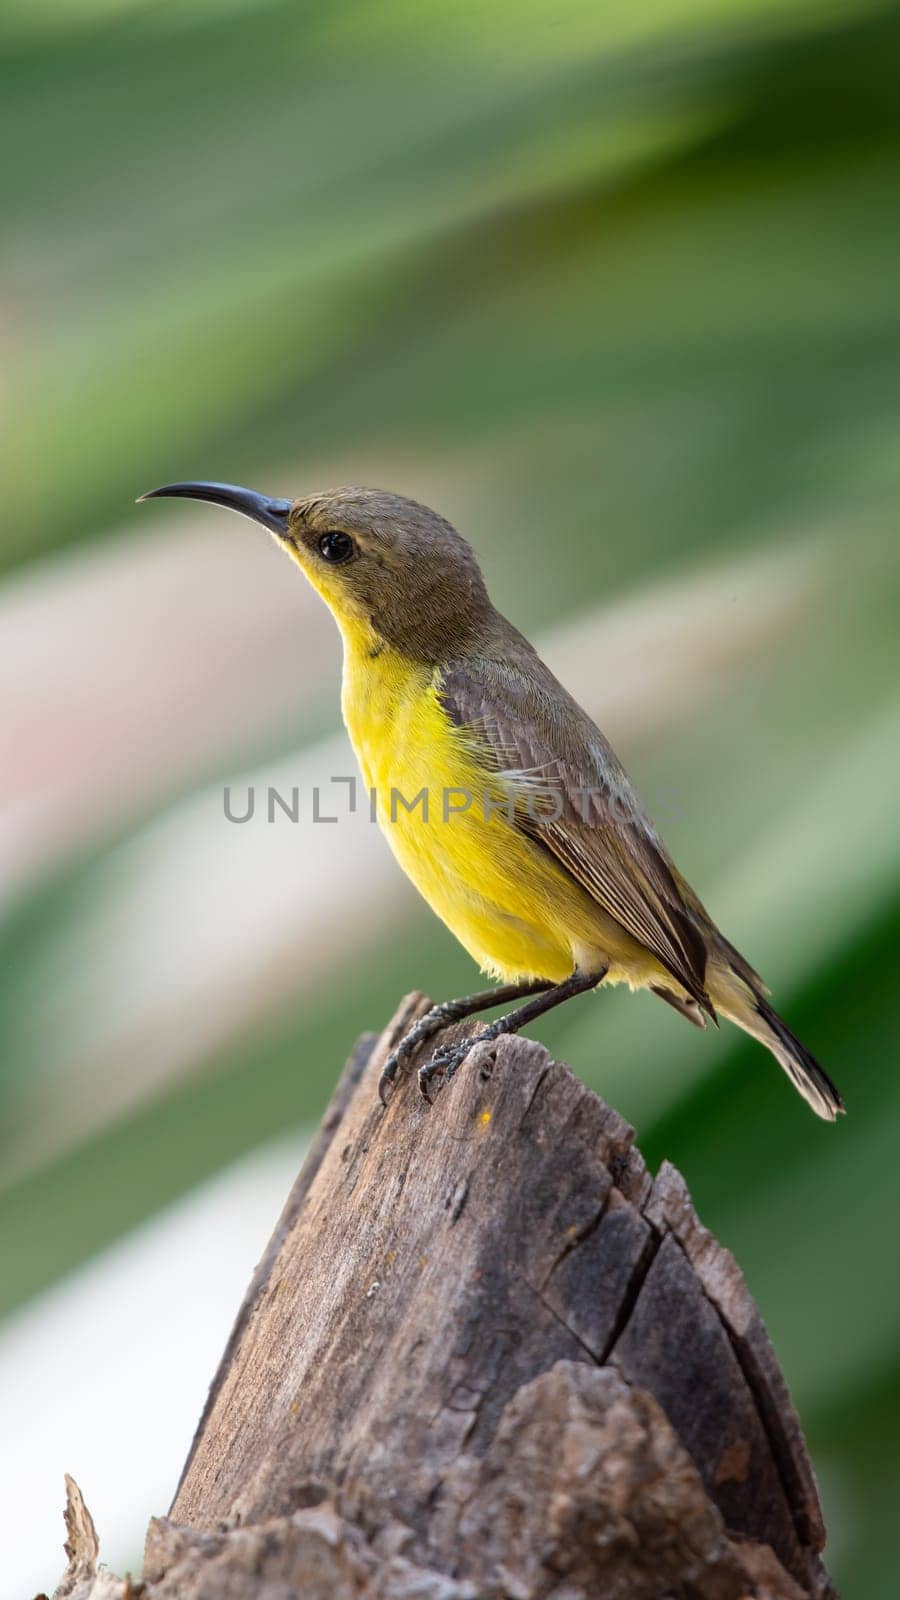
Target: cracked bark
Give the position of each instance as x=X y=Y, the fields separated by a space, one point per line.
x=486 y=1354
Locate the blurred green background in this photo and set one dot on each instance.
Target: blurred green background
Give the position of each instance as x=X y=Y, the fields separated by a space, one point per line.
x=615 y=288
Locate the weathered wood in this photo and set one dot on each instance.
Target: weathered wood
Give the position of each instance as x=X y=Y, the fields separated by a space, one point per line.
x=486 y=1354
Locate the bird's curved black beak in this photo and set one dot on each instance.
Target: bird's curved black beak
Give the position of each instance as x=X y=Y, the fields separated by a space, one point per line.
x=273 y=514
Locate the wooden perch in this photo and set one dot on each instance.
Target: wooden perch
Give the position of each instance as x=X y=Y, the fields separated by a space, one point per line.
x=487 y=1355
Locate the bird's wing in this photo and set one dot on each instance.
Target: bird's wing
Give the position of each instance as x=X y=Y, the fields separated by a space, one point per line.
x=572 y=796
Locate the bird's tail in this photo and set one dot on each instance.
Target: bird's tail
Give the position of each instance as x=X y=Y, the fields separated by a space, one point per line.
x=745 y=1005
x=808 y=1078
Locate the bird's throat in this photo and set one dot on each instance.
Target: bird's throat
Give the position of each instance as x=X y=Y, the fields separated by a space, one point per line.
x=382 y=699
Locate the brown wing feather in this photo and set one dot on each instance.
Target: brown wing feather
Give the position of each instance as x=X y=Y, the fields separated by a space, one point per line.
x=573 y=797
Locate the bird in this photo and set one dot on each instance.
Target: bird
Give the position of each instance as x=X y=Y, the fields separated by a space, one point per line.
x=500 y=797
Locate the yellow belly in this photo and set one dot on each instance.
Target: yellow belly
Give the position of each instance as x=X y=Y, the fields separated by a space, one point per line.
x=515 y=910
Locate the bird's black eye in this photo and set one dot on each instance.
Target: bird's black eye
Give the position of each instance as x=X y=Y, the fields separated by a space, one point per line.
x=335 y=546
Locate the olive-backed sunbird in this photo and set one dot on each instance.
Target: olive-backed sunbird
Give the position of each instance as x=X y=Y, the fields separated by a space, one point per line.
x=550 y=874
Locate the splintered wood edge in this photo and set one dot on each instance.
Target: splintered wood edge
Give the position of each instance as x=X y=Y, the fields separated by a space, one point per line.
x=82 y=1547
x=723 y=1282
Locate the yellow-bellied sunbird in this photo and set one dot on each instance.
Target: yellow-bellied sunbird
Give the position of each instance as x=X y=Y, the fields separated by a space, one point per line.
x=550 y=874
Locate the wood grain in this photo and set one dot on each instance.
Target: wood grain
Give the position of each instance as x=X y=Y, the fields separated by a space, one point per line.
x=487 y=1354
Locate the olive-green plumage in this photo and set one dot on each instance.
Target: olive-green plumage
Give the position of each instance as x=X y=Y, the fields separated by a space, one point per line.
x=552 y=875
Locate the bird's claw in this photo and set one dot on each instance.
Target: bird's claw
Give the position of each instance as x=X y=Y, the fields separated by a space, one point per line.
x=445 y=1063
x=396 y=1059
x=388 y=1074
x=424 y=1029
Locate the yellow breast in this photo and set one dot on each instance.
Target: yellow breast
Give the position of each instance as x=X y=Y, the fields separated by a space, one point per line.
x=508 y=902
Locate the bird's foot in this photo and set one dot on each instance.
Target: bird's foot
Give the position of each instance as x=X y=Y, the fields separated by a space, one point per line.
x=426 y=1027
x=446 y=1062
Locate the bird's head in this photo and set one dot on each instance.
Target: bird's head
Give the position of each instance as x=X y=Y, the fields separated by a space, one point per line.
x=385 y=565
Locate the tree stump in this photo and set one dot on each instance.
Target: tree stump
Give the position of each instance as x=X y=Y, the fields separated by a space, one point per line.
x=487 y=1355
